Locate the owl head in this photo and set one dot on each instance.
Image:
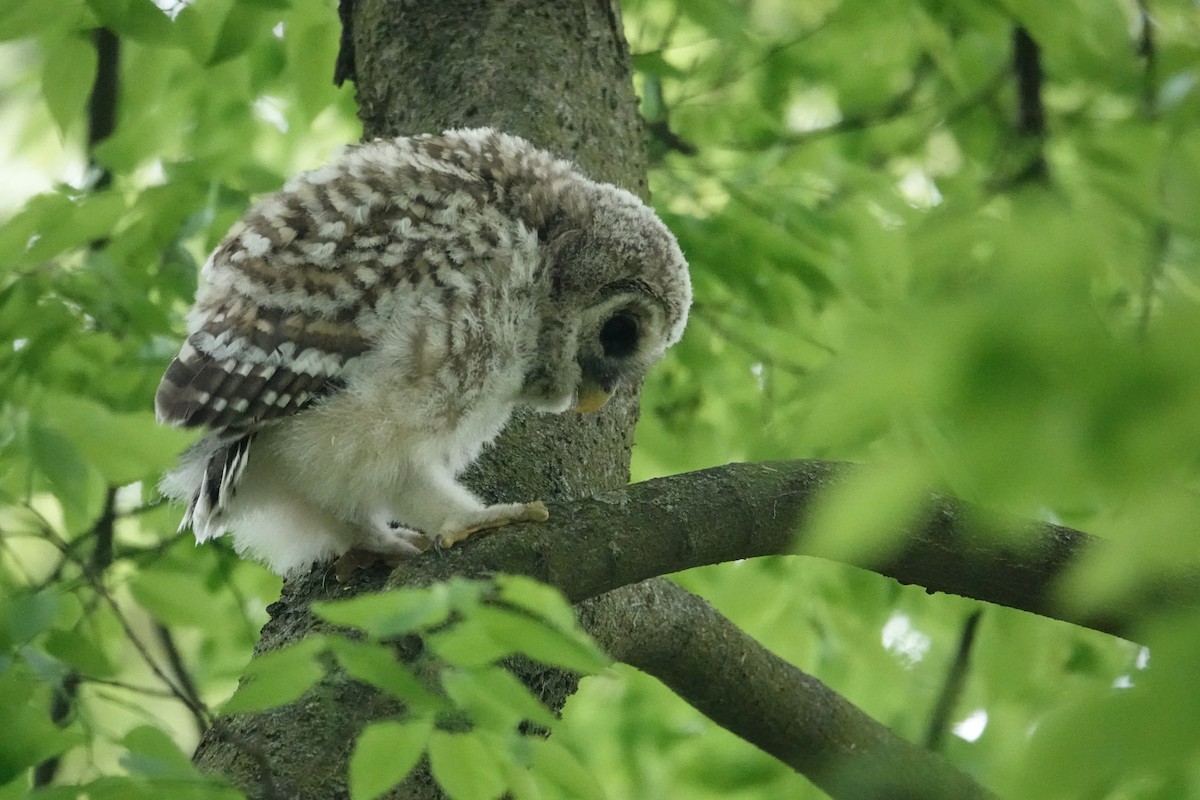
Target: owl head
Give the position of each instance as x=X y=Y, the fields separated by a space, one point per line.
x=617 y=296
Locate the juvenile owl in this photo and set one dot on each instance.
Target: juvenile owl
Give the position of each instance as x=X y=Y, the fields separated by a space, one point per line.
x=361 y=334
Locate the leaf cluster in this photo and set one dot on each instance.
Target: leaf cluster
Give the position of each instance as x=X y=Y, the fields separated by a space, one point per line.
x=481 y=731
x=118 y=634
x=890 y=269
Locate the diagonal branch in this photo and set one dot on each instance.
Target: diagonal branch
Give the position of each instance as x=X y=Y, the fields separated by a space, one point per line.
x=739 y=511
x=670 y=633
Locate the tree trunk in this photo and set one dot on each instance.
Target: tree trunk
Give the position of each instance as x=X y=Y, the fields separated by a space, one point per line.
x=556 y=73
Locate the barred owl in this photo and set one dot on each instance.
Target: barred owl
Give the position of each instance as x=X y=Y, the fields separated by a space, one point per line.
x=361 y=334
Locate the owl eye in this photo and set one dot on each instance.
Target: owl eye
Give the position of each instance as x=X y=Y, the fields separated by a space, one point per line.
x=619 y=335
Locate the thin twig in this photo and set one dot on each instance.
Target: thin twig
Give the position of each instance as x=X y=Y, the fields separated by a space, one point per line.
x=1161 y=234
x=102 y=103
x=180 y=670
x=956 y=677
x=1031 y=113
x=96 y=584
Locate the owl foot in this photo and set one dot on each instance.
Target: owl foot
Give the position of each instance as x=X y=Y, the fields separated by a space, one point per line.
x=381 y=541
x=494 y=517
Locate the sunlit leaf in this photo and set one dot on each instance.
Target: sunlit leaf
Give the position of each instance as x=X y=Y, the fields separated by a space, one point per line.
x=467 y=645
x=464 y=766
x=141 y=20
x=384 y=754
x=376 y=664
x=539 y=641
x=558 y=765
x=495 y=698
x=391 y=613
x=81 y=652
x=537 y=598
x=146 y=448
x=278 y=677
x=67 y=75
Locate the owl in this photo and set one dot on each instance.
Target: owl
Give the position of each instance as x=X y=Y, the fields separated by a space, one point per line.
x=360 y=335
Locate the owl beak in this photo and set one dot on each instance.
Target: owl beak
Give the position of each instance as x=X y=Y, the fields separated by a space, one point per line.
x=590 y=396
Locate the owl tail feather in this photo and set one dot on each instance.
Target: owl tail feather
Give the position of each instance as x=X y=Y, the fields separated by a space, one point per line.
x=207 y=478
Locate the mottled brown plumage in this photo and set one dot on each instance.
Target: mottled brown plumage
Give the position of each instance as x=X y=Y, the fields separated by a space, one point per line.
x=359 y=335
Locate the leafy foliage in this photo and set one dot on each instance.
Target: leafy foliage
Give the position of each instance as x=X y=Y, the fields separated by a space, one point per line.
x=480 y=709
x=891 y=270
x=890 y=267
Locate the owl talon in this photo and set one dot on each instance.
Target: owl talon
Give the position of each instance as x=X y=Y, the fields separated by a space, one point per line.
x=535 y=511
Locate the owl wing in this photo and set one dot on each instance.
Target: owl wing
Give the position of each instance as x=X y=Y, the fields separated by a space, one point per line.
x=250 y=362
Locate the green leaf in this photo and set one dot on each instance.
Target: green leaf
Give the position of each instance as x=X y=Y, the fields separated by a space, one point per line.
x=538 y=599
x=243 y=25
x=153 y=752
x=31 y=225
x=391 y=613
x=464 y=766
x=80 y=652
x=541 y=642
x=141 y=20
x=376 y=664
x=654 y=64
x=720 y=17
x=55 y=222
x=489 y=633
x=559 y=765
x=28 y=614
x=311 y=47
x=68 y=71
x=174 y=596
x=124 y=446
x=467 y=645
x=22 y=18
x=495 y=698
x=29 y=735
x=57 y=457
x=866 y=514
x=278 y=677
x=384 y=755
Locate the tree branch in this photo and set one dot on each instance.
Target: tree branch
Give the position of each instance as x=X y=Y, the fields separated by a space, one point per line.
x=670 y=633
x=620 y=537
